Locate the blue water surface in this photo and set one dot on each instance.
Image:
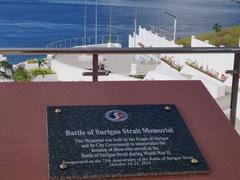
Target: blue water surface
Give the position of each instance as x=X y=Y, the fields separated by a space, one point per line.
x=35 y=23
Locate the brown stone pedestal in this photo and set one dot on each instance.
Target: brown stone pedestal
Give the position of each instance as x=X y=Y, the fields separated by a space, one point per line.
x=23 y=131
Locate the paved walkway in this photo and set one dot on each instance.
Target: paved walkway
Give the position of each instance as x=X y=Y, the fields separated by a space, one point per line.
x=118 y=64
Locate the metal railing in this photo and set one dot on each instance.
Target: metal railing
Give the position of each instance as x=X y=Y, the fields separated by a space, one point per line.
x=160 y=32
x=96 y=51
x=83 y=41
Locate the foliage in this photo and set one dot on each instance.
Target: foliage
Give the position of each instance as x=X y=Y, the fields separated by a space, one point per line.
x=229 y=38
x=217 y=28
x=4 y=75
x=6 y=69
x=41 y=71
x=6 y=65
x=41 y=62
x=186 y=41
x=209 y=72
x=139 y=76
x=22 y=75
x=171 y=62
x=32 y=61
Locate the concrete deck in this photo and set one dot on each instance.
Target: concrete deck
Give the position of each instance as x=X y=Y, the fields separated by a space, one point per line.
x=118 y=64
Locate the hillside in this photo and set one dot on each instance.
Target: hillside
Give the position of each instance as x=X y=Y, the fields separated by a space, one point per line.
x=228 y=37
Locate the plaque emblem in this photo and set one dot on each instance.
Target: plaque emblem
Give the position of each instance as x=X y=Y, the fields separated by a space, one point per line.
x=116 y=116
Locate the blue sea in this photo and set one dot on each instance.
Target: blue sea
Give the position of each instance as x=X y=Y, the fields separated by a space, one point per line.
x=36 y=23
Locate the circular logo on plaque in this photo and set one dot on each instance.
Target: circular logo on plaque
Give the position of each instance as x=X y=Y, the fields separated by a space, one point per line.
x=116 y=116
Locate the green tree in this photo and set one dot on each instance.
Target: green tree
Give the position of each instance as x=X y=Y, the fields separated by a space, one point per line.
x=41 y=62
x=217 y=28
x=6 y=69
x=18 y=75
x=21 y=75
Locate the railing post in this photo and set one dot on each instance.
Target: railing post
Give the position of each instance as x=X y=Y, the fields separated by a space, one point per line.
x=95 y=68
x=235 y=83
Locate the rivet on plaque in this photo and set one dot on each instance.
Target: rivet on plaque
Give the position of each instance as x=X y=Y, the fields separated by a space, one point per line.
x=168 y=108
x=63 y=166
x=58 y=110
x=194 y=161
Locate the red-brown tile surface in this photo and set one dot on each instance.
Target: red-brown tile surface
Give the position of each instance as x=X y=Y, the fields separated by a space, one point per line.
x=23 y=131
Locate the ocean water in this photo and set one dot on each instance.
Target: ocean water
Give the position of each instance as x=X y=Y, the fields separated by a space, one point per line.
x=35 y=23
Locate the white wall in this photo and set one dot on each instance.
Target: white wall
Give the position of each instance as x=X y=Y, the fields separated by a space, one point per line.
x=189 y=71
x=153 y=75
x=149 y=39
x=238 y=107
x=3 y=58
x=216 y=62
x=65 y=72
x=215 y=89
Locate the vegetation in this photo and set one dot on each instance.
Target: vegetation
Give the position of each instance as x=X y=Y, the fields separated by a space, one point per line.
x=228 y=37
x=21 y=75
x=171 y=62
x=209 y=72
x=6 y=69
x=139 y=76
x=217 y=28
x=41 y=62
x=32 y=61
x=41 y=71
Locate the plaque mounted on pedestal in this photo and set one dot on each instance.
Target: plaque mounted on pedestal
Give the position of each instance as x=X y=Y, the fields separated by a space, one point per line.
x=119 y=141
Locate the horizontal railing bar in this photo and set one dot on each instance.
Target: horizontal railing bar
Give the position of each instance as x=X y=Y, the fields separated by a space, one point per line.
x=40 y=51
